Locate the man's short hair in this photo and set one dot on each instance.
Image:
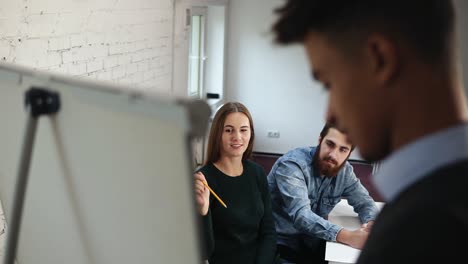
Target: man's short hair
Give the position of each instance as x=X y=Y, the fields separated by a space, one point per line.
x=327 y=127
x=424 y=25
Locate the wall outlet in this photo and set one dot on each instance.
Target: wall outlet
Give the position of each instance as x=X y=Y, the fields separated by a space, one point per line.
x=273 y=134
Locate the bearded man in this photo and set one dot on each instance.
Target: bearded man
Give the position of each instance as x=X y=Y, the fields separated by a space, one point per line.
x=305 y=185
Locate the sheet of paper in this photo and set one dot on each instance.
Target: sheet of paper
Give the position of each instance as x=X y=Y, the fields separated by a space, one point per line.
x=344 y=215
x=341 y=253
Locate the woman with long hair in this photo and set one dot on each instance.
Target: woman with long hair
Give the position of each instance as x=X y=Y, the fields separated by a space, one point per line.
x=243 y=231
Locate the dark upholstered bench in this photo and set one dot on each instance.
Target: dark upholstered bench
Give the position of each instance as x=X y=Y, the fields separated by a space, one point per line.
x=362 y=169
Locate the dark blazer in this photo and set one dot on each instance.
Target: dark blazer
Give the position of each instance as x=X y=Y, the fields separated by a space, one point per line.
x=426 y=223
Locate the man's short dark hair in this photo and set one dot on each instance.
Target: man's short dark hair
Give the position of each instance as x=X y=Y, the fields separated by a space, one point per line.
x=327 y=127
x=426 y=25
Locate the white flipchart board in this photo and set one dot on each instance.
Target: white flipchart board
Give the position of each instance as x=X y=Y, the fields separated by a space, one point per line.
x=110 y=178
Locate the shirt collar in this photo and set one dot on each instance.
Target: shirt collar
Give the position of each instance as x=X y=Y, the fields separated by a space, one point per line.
x=416 y=160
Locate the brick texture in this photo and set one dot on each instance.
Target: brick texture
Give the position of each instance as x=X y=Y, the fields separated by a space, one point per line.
x=127 y=41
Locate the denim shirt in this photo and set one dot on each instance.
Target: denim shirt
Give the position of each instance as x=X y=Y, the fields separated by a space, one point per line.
x=302 y=199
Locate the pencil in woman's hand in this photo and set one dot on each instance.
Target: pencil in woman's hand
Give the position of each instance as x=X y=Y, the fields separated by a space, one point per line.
x=215 y=195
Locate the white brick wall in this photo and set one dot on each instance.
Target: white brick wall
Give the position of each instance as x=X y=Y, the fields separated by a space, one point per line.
x=127 y=41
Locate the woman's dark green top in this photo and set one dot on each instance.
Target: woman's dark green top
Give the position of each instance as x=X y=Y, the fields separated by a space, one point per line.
x=244 y=232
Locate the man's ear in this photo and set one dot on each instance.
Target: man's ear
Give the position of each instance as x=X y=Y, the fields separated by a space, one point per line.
x=384 y=57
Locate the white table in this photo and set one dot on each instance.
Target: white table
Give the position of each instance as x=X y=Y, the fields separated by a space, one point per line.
x=343 y=215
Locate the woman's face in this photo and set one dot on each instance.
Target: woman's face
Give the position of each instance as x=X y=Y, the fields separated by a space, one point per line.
x=236 y=135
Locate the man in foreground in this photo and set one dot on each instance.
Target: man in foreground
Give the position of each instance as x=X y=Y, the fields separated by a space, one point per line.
x=392 y=71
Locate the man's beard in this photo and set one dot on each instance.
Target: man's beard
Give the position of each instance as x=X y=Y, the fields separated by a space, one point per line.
x=323 y=167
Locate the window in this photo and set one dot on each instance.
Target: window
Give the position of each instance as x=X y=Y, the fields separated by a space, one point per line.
x=197 y=52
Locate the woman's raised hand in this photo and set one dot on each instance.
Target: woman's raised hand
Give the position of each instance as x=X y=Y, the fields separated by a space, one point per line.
x=202 y=194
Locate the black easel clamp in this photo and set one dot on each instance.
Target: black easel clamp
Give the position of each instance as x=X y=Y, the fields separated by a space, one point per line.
x=42 y=101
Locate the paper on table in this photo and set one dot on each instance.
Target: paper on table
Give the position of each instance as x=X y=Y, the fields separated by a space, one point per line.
x=341 y=253
x=344 y=215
